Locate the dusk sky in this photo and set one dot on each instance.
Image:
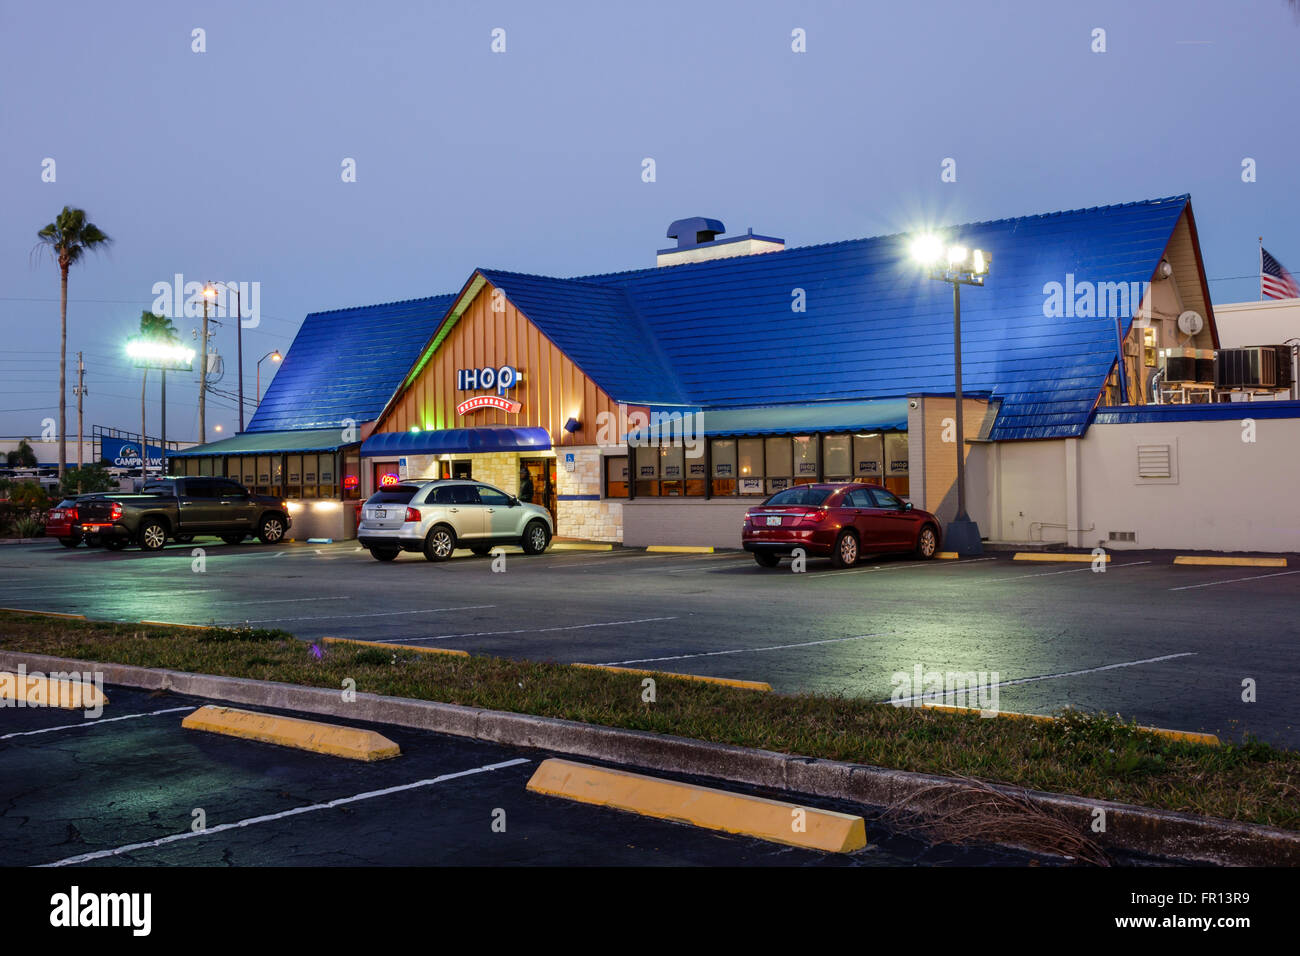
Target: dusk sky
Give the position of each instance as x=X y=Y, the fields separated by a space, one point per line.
x=227 y=164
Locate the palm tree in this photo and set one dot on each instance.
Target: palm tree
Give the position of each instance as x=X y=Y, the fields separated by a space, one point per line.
x=153 y=328
x=68 y=239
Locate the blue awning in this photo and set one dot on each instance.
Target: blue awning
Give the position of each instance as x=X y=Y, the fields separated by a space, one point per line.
x=453 y=441
x=884 y=414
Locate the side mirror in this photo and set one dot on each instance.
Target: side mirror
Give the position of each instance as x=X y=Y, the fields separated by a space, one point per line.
x=907 y=506
x=514 y=502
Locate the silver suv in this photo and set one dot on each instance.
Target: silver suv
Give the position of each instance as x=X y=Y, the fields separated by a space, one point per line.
x=437 y=517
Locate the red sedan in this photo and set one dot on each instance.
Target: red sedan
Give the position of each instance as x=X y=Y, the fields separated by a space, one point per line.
x=837 y=521
x=59 y=523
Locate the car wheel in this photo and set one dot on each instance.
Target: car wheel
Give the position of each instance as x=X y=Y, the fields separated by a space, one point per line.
x=439 y=544
x=153 y=535
x=384 y=554
x=183 y=538
x=69 y=542
x=271 y=530
x=927 y=542
x=233 y=538
x=766 y=559
x=536 y=537
x=481 y=549
x=845 y=554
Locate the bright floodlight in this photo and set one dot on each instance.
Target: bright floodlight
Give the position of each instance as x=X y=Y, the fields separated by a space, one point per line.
x=927 y=249
x=957 y=255
x=145 y=351
x=980 y=262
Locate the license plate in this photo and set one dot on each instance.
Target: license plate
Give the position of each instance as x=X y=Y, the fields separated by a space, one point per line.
x=773 y=519
x=379 y=513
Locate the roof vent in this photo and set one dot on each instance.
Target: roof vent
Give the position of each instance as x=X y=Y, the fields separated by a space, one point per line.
x=697 y=241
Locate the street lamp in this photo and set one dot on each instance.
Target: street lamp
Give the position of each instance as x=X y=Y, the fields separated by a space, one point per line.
x=239 y=338
x=274 y=356
x=145 y=353
x=959 y=266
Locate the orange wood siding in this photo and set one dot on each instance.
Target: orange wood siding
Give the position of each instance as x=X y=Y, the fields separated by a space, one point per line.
x=552 y=390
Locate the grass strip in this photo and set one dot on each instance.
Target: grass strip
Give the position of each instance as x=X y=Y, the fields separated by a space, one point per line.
x=1092 y=755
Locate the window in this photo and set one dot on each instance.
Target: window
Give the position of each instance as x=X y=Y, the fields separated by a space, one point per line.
x=672 y=469
x=325 y=475
x=490 y=496
x=859 y=498
x=247 y=471
x=229 y=489
x=805 y=453
x=749 y=466
x=293 y=487
x=393 y=495
x=696 y=475
x=868 y=456
x=779 y=463
x=200 y=488
x=351 y=476
x=1149 y=347
x=723 y=453
x=616 y=477
x=809 y=497
x=647 y=472
x=454 y=495
x=838 y=452
x=884 y=499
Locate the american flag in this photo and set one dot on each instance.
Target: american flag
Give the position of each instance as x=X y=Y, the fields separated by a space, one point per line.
x=1274 y=281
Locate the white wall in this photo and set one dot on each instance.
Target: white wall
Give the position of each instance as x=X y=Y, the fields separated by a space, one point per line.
x=1227 y=494
x=1271 y=322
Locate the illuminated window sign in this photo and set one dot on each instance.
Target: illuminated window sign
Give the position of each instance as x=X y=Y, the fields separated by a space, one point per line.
x=351 y=481
x=389 y=479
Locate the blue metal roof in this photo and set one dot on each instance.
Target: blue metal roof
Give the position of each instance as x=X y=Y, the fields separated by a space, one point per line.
x=451 y=441
x=875 y=326
x=345 y=364
x=1208 y=412
x=889 y=414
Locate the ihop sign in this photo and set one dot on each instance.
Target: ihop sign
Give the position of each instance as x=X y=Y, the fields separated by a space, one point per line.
x=501 y=379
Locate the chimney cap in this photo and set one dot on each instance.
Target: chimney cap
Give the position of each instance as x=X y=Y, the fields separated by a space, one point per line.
x=695 y=230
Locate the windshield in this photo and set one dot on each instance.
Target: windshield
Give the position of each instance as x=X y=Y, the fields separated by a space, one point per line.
x=393 y=495
x=803 y=495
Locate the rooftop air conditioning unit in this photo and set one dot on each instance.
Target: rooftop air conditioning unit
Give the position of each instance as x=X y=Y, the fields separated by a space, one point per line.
x=1179 y=364
x=1251 y=367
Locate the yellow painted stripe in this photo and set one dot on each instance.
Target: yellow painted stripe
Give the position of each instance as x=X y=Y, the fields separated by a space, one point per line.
x=724 y=681
x=42 y=691
x=1231 y=562
x=948 y=555
x=23 y=610
x=705 y=807
x=680 y=549
x=1187 y=736
x=310 y=735
x=188 y=627
x=395 y=647
x=579 y=546
x=1058 y=556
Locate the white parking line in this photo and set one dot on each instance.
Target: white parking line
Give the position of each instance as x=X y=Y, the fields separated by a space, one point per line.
x=1041 y=574
x=269 y=817
x=330 y=617
x=1254 y=577
x=531 y=630
x=277 y=600
x=895 y=567
x=91 y=723
x=1030 y=680
x=741 y=650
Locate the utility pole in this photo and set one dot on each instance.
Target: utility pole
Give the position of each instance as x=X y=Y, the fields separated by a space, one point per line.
x=80 y=390
x=203 y=376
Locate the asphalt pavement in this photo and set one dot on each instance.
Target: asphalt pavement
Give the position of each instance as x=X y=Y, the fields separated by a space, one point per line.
x=1173 y=646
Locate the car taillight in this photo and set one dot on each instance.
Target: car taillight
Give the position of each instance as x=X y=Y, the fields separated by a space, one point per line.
x=813 y=518
x=72 y=514
x=116 y=511
x=412 y=514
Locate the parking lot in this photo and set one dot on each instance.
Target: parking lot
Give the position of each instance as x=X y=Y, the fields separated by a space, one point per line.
x=1169 y=645
x=127 y=789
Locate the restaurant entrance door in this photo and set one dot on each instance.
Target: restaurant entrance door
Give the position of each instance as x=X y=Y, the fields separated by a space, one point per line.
x=537 y=479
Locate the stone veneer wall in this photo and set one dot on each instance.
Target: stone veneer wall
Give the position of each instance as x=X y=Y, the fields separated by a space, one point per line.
x=599 y=520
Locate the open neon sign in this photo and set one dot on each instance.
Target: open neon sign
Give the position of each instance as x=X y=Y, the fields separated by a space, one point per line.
x=389 y=480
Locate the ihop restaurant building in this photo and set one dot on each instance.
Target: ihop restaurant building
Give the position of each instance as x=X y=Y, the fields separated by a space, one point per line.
x=654 y=406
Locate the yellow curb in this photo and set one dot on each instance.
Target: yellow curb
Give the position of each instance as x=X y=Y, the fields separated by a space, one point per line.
x=724 y=681
x=395 y=647
x=310 y=735
x=23 y=610
x=42 y=691
x=1059 y=556
x=1231 y=562
x=679 y=549
x=579 y=546
x=1187 y=736
x=704 y=807
x=188 y=627
x=948 y=555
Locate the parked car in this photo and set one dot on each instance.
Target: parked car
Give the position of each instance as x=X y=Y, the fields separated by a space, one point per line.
x=61 y=522
x=837 y=521
x=437 y=517
x=179 y=508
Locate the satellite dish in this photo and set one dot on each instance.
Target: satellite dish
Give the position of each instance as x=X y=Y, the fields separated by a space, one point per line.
x=1189 y=323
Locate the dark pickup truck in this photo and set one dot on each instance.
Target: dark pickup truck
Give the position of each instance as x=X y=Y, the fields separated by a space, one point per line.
x=179 y=508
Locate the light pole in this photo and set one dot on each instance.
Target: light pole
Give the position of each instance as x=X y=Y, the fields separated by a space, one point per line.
x=162 y=356
x=239 y=338
x=274 y=356
x=959 y=266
